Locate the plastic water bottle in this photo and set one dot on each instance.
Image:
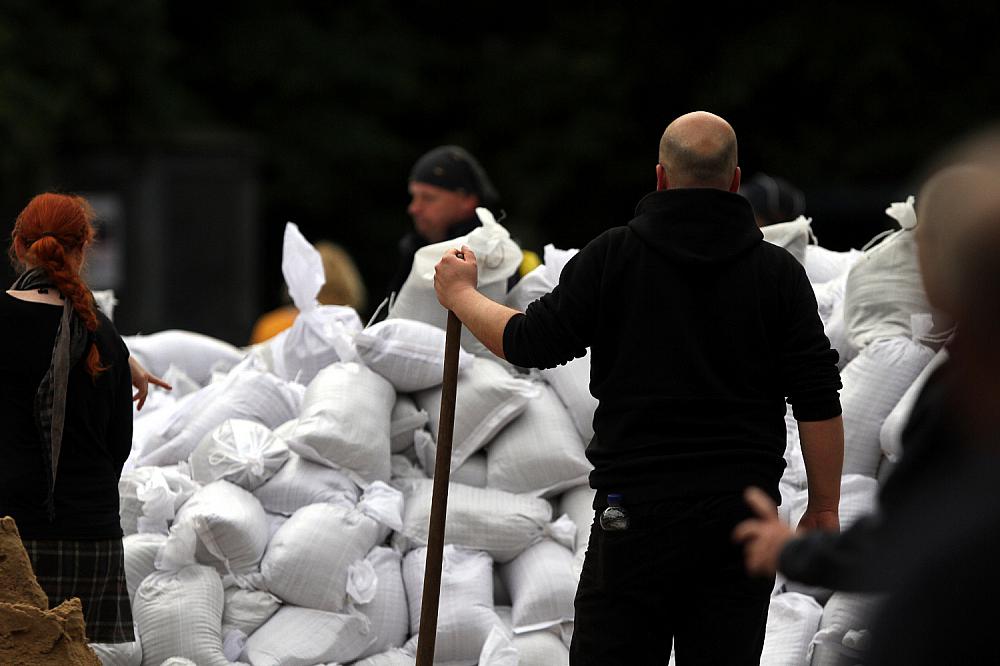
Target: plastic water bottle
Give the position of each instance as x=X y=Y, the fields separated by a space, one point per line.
x=614 y=518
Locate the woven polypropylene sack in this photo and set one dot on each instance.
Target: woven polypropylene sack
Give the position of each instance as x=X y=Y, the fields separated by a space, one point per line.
x=792 y=619
x=488 y=398
x=578 y=504
x=473 y=472
x=795 y=466
x=393 y=657
x=501 y=523
x=844 y=612
x=540 y=452
x=823 y=265
x=119 y=654
x=793 y=236
x=243 y=452
x=410 y=354
x=149 y=497
x=301 y=482
x=465 y=615
x=179 y=614
x=873 y=384
x=246 y=610
x=388 y=611
x=317 y=338
x=307 y=637
x=571 y=383
x=891 y=434
x=140 y=558
x=196 y=354
x=541 y=648
x=407 y=418
x=542 y=586
x=540 y=281
x=345 y=422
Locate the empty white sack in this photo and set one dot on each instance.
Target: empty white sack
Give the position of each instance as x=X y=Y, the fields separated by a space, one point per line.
x=149 y=497
x=196 y=354
x=542 y=585
x=792 y=619
x=488 y=398
x=465 y=615
x=140 y=558
x=407 y=418
x=891 y=434
x=873 y=384
x=243 y=452
x=501 y=523
x=246 y=610
x=409 y=353
x=387 y=611
x=540 y=452
x=307 y=637
x=345 y=422
x=179 y=614
x=571 y=383
x=301 y=482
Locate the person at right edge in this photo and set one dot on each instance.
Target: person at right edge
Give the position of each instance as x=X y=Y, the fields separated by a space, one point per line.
x=699 y=331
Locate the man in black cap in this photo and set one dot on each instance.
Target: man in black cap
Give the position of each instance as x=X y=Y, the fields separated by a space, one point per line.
x=446 y=186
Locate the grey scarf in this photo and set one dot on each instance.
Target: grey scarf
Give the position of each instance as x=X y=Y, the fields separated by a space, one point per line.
x=72 y=340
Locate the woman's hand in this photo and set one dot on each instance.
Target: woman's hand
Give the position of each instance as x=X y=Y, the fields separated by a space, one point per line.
x=141 y=379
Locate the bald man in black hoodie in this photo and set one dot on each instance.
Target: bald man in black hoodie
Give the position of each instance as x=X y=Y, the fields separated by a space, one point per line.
x=699 y=331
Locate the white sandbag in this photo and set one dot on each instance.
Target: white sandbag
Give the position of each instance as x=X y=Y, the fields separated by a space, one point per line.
x=345 y=422
x=246 y=610
x=196 y=354
x=571 y=383
x=501 y=523
x=873 y=384
x=497 y=258
x=578 y=504
x=542 y=586
x=119 y=654
x=792 y=619
x=843 y=613
x=274 y=523
x=230 y=526
x=540 y=281
x=309 y=561
x=301 y=482
x=830 y=296
x=541 y=648
x=466 y=615
x=489 y=398
x=410 y=354
x=794 y=236
x=404 y=468
x=823 y=265
x=407 y=418
x=540 y=452
x=835 y=329
x=244 y=394
x=473 y=472
x=498 y=650
x=858 y=497
x=891 y=433
x=795 y=466
x=149 y=497
x=387 y=611
x=179 y=614
x=393 y=657
x=307 y=637
x=140 y=558
x=243 y=452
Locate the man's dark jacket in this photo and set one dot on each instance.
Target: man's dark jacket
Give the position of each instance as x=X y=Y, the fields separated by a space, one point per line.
x=699 y=331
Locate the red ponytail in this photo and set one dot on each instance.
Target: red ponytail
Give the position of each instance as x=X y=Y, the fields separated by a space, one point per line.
x=52 y=233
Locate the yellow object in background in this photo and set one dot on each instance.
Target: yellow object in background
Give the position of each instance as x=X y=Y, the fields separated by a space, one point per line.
x=530 y=262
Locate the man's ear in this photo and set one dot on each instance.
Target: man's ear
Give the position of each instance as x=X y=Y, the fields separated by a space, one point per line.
x=661 y=178
x=735 y=185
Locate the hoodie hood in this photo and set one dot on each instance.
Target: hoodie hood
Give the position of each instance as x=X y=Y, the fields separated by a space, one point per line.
x=700 y=226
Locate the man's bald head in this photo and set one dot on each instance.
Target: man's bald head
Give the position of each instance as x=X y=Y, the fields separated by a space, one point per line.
x=699 y=150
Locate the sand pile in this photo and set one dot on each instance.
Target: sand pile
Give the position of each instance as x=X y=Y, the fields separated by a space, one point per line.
x=30 y=633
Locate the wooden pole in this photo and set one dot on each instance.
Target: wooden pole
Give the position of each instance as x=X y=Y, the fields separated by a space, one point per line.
x=439 y=499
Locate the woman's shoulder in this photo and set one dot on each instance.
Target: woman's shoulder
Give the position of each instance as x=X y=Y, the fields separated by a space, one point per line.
x=109 y=336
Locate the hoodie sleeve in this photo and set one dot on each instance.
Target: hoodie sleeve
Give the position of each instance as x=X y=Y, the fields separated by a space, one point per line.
x=559 y=326
x=808 y=365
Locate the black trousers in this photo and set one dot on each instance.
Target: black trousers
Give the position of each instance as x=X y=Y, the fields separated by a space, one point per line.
x=674 y=577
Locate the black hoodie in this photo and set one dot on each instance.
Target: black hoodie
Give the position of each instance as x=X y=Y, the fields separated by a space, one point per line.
x=699 y=330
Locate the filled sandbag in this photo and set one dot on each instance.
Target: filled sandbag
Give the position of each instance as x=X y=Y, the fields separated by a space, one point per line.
x=578 y=504
x=473 y=472
x=243 y=452
x=792 y=619
x=393 y=657
x=407 y=418
x=891 y=433
x=823 y=265
x=196 y=354
x=119 y=654
x=843 y=614
x=408 y=353
x=540 y=452
x=301 y=482
x=140 y=558
x=179 y=614
x=571 y=382
x=317 y=558
x=541 y=648
x=497 y=258
x=345 y=422
x=465 y=615
x=308 y=637
x=794 y=236
x=387 y=611
x=873 y=384
x=540 y=281
x=149 y=497
x=830 y=297
x=246 y=610
x=795 y=466
x=500 y=523
x=542 y=585
x=490 y=398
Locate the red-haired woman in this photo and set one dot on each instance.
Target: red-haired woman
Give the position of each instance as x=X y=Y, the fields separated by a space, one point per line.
x=66 y=409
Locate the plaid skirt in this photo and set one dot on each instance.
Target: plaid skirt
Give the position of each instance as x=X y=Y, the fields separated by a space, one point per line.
x=94 y=571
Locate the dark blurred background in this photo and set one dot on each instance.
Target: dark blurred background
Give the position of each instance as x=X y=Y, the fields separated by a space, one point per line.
x=199 y=128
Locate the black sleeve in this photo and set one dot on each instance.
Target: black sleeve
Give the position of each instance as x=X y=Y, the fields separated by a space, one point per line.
x=850 y=561
x=808 y=364
x=120 y=425
x=559 y=326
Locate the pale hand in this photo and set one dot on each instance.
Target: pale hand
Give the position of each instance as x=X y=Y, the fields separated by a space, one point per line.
x=141 y=379
x=762 y=537
x=456 y=272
